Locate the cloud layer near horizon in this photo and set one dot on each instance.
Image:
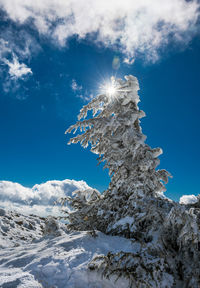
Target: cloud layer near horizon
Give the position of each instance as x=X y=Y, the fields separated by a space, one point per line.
x=133 y=27
x=40 y=198
x=188 y=199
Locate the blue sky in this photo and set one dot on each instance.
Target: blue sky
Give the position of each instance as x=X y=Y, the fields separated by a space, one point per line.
x=47 y=75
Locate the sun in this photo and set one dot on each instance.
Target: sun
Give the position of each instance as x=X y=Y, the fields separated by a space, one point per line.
x=110 y=90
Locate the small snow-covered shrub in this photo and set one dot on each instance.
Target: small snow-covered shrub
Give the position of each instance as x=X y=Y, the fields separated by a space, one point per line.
x=51 y=227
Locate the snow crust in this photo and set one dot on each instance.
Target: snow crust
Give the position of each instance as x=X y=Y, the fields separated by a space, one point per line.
x=31 y=258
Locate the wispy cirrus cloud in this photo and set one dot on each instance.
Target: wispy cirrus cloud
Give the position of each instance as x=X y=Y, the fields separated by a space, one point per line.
x=75 y=87
x=79 y=91
x=133 y=27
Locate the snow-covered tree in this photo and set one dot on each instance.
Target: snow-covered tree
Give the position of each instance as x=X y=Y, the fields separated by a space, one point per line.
x=114 y=133
x=165 y=234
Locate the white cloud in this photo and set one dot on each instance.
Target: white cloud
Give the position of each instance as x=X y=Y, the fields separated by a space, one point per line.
x=134 y=27
x=17 y=70
x=129 y=61
x=40 y=198
x=75 y=86
x=188 y=199
x=12 y=57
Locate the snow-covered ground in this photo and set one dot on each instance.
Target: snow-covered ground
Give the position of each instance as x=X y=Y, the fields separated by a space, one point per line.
x=37 y=253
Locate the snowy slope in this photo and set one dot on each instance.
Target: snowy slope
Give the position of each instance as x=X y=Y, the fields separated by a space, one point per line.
x=38 y=257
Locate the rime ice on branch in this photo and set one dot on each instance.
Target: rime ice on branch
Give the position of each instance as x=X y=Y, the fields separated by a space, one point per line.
x=114 y=133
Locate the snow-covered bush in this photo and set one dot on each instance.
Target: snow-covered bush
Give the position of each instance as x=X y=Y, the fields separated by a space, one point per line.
x=51 y=227
x=142 y=270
